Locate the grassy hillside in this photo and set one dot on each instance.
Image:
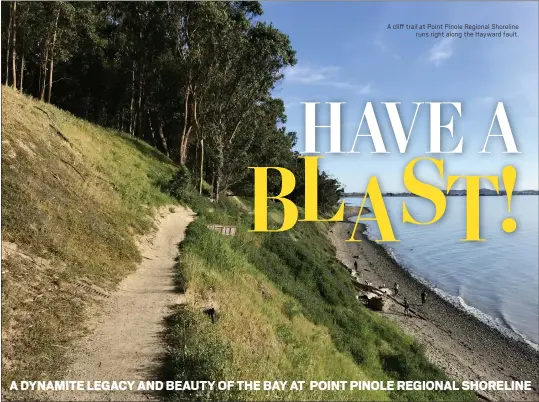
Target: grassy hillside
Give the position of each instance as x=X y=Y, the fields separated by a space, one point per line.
x=74 y=196
x=286 y=310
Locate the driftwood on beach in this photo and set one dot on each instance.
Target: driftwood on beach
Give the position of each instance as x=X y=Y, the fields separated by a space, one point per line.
x=455 y=340
x=373 y=297
x=379 y=299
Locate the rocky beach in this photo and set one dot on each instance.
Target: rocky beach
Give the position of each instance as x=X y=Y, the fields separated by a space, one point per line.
x=464 y=347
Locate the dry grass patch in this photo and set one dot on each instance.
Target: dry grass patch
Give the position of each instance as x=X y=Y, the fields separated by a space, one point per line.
x=74 y=195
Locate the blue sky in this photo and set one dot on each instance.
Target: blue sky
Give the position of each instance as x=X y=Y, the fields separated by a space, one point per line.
x=346 y=54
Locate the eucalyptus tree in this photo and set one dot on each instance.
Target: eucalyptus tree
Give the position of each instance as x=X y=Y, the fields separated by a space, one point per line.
x=262 y=142
x=193 y=78
x=252 y=57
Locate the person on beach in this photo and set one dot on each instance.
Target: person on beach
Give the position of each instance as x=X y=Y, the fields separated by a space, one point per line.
x=406 y=308
x=396 y=288
x=423 y=297
x=355 y=266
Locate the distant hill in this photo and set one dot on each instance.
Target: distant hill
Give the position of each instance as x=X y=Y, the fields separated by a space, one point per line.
x=484 y=192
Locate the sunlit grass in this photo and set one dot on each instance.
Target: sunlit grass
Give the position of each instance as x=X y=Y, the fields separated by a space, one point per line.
x=73 y=196
x=287 y=311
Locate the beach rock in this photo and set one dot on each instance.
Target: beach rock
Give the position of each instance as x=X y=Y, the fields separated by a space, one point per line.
x=385 y=290
x=374 y=299
x=378 y=303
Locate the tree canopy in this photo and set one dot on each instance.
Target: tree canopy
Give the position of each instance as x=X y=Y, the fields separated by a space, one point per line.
x=194 y=79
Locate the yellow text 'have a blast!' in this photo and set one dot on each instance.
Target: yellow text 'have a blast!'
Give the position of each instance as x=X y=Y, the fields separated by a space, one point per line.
x=374 y=193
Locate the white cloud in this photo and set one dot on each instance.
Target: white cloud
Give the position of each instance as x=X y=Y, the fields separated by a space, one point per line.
x=487 y=99
x=484 y=100
x=380 y=45
x=383 y=47
x=441 y=51
x=527 y=89
x=291 y=102
x=307 y=75
x=366 y=89
x=327 y=76
x=360 y=89
x=519 y=93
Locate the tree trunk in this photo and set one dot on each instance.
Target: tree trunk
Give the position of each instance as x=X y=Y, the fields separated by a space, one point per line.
x=199 y=135
x=186 y=131
x=39 y=80
x=163 y=139
x=52 y=55
x=22 y=70
x=196 y=159
x=14 y=47
x=132 y=106
x=139 y=103
x=201 y=164
x=183 y=148
x=10 y=28
x=44 y=69
x=217 y=186
x=151 y=127
x=122 y=120
x=220 y=162
x=50 y=79
x=213 y=178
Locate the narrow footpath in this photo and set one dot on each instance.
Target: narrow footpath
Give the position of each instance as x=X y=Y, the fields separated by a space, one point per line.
x=125 y=341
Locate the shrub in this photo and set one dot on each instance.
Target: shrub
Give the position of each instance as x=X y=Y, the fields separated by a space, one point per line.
x=291 y=309
x=181 y=185
x=196 y=352
x=181 y=278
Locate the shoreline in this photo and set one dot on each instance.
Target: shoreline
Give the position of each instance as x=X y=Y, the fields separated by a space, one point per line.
x=510 y=335
x=353 y=210
x=454 y=340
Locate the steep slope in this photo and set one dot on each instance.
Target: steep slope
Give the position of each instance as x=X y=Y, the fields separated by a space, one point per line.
x=125 y=341
x=286 y=310
x=74 y=195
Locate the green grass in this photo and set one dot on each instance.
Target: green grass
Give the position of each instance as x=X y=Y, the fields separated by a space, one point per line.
x=75 y=196
x=72 y=206
x=287 y=310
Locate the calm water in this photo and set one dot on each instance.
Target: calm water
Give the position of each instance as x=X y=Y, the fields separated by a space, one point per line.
x=496 y=280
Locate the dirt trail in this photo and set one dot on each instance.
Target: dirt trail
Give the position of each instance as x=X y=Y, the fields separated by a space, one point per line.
x=125 y=341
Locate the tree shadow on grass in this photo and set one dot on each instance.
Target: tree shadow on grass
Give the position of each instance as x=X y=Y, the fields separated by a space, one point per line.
x=146 y=149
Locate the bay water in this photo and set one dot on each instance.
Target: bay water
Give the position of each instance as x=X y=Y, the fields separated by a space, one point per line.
x=496 y=280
